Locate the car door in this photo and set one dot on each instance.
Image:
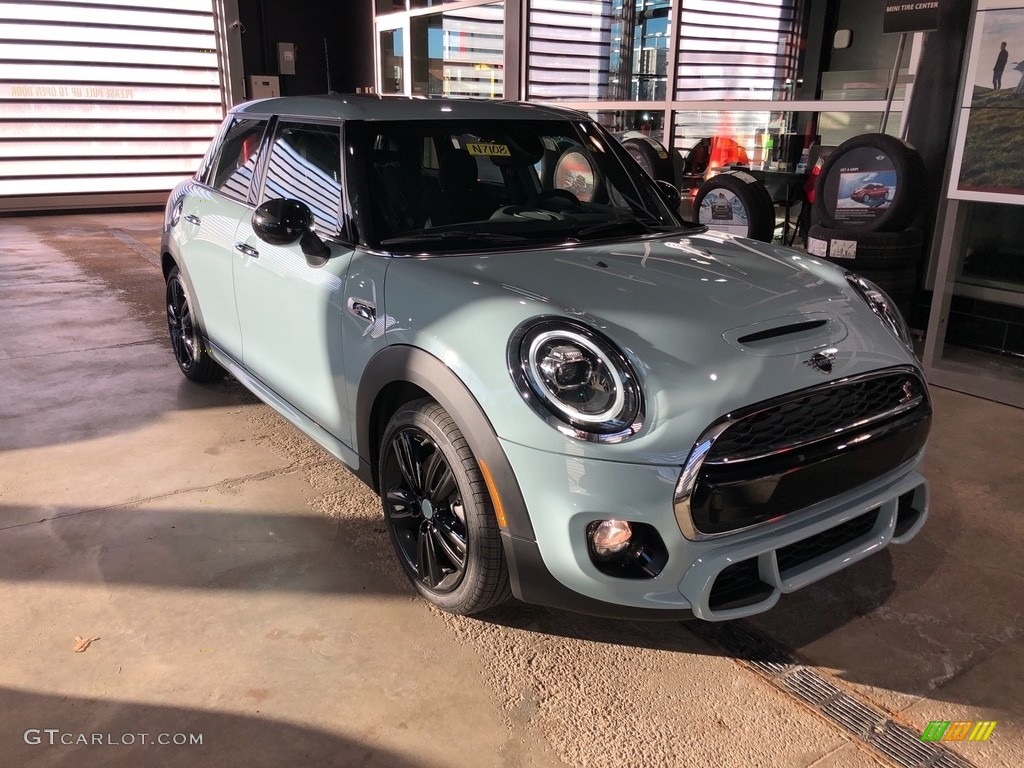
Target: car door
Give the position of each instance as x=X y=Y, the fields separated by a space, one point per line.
x=290 y=309
x=209 y=218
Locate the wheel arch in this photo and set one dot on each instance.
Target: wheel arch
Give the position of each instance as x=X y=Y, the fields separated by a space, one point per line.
x=167 y=263
x=399 y=374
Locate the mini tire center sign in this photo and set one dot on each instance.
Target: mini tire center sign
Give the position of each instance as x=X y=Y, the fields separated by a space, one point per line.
x=919 y=16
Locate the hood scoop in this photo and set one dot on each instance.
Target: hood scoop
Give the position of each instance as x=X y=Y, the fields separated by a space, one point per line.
x=788 y=335
x=782 y=330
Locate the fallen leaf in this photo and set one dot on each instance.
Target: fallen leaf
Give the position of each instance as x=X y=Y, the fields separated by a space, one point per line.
x=81 y=643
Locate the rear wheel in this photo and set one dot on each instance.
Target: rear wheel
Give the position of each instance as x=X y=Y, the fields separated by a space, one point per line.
x=186 y=340
x=439 y=513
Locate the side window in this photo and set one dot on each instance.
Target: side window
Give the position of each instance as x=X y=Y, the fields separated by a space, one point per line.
x=305 y=164
x=239 y=150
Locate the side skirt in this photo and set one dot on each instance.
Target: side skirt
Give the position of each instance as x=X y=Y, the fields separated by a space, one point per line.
x=310 y=428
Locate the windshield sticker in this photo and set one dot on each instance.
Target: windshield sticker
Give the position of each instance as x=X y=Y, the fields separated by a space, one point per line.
x=489 y=150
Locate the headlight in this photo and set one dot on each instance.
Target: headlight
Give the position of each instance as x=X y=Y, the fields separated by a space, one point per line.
x=576 y=379
x=882 y=306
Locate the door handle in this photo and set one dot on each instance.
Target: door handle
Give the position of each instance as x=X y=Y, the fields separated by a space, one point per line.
x=364 y=310
x=248 y=250
x=191 y=218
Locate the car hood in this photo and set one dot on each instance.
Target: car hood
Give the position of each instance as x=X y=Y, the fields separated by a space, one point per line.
x=711 y=323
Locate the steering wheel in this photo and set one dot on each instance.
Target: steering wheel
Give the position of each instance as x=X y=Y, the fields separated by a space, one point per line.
x=557 y=200
x=520 y=212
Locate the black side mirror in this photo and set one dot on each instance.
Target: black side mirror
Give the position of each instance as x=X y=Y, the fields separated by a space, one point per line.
x=283 y=221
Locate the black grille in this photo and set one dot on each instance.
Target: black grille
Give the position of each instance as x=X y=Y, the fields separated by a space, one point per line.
x=822 y=543
x=814 y=415
x=793 y=452
x=737 y=586
x=906 y=514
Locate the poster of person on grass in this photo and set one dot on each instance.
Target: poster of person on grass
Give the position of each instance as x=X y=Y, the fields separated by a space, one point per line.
x=988 y=161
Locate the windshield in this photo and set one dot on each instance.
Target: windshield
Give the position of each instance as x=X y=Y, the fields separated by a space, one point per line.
x=455 y=185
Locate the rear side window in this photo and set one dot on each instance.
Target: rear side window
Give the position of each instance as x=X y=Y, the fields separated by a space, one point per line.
x=305 y=164
x=236 y=162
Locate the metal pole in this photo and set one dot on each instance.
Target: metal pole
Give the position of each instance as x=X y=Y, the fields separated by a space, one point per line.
x=893 y=76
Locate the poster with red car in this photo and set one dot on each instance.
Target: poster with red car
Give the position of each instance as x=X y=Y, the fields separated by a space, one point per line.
x=866 y=185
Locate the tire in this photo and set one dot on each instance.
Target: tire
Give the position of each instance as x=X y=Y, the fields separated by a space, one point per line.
x=187 y=341
x=864 y=157
x=439 y=513
x=756 y=217
x=652 y=156
x=869 y=250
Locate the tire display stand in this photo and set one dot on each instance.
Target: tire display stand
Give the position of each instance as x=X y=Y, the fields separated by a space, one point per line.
x=737 y=203
x=866 y=196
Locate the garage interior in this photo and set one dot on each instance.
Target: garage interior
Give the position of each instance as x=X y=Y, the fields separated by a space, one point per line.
x=177 y=560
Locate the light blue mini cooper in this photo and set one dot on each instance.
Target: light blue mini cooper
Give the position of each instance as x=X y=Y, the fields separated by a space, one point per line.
x=560 y=390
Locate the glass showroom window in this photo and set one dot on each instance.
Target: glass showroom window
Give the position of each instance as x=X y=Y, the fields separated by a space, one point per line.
x=737 y=50
x=459 y=52
x=392 y=61
x=592 y=50
x=619 y=50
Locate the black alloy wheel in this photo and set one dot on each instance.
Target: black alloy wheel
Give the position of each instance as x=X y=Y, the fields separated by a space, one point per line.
x=438 y=511
x=426 y=511
x=186 y=341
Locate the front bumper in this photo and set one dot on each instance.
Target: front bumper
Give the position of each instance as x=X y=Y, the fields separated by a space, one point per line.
x=728 y=577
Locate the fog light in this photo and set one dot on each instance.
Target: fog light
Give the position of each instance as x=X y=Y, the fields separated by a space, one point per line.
x=609 y=537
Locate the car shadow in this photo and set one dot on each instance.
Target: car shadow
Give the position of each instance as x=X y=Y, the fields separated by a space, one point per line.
x=238 y=550
x=212 y=548
x=121 y=727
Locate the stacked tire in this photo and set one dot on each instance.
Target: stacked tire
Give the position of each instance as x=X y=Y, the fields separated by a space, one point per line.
x=869 y=191
x=888 y=259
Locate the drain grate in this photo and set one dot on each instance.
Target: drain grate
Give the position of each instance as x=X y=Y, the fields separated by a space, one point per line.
x=811 y=687
x=905 y=747
x=897 y=743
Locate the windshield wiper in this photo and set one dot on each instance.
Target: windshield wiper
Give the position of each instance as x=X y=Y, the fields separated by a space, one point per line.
x=453 y=234
x=615 y=224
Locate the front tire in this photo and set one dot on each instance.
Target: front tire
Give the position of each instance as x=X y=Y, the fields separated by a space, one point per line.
x=439 y=513
x=186 y=340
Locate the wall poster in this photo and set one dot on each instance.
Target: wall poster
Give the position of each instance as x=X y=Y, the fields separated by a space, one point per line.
x=988 y=161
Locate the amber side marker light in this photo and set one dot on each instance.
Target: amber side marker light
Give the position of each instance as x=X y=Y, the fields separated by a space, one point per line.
x=499 y=509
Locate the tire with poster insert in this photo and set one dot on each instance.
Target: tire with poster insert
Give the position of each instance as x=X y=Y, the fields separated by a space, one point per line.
x=737 y=203
x=873 y=182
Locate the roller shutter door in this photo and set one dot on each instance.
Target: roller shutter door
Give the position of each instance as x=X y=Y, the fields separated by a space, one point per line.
x=104 y=102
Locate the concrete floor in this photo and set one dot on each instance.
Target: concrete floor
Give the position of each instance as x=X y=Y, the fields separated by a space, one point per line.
x=243 y=589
